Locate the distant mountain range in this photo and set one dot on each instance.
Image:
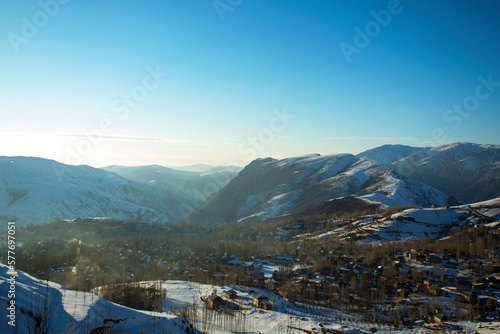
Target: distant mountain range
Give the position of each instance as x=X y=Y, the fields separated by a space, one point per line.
x=195 y=184
x=35 y=190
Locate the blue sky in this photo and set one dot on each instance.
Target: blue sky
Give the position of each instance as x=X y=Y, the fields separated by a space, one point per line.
x=223 y=82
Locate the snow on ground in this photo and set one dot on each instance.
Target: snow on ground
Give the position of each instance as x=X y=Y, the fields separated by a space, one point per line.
x=292 y=318
x=412 y=223
x=379 y=198
x=418 y=223
x=489 y=208
x=269 y=269
x=284 y=318
x=68 y=311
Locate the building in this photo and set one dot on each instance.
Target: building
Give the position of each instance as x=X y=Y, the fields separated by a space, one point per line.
x=261 y=301
x=214 y=301
x=231 y=294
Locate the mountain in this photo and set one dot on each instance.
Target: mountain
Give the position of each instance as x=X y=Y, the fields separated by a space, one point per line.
x=47 y=307
x=193 y=168
x=195 y=186
x=268 y=187
x=467 y=171
x=203 y=168
x=387 y=154
x=35 y=190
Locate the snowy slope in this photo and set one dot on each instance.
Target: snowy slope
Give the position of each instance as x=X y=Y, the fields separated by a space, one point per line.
x=285 y=317
x=268 y=188
x=68 y=311
x=248 y=319
x=470 y=172
x=34 y=190
x=417 y=223
x=387 y=154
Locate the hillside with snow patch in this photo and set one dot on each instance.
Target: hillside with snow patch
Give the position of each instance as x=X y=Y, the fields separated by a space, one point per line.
x=416 y=223
x=269 y=188
x=470 y=172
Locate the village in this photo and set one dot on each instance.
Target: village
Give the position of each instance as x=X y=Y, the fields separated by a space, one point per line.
x=399 y=283
x=404 y=287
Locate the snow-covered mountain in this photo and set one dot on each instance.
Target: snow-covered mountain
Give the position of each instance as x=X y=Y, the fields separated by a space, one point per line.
x=268 y=187
x=204 y=168
x=47 y=307
x=34 y=190
x=470 y=172
x=387 y=154
x=194 y=185
x=37 y=190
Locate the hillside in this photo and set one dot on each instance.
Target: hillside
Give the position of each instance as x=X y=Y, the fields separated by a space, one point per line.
x=268 y=187
x=415 y=223
x=47 y=307
x=470 y=172
x=35 y=190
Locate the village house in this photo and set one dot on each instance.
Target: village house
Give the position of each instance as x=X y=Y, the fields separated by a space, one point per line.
x=214 y=301
x=261 y=301
x=231 y=294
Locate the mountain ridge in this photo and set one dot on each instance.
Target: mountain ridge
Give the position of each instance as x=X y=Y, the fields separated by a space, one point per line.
x=268 y=187
x=40 y=190
x=467 y=171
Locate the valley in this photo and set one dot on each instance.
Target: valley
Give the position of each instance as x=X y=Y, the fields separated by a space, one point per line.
x=333 y=271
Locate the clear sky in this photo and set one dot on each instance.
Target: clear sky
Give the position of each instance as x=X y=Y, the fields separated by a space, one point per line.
x=179 y=82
